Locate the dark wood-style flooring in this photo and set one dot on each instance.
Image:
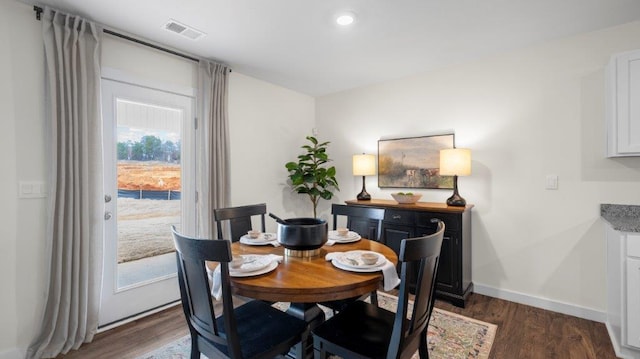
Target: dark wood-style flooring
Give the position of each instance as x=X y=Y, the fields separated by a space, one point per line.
x=523 y=332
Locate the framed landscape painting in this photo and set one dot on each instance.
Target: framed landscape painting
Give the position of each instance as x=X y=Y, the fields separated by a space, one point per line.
x=413 y=162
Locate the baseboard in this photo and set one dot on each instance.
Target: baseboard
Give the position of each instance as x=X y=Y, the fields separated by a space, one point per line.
x=543 y=303
x=621 y=352
x=136 y=317
x=13 y=353
x=614 y=341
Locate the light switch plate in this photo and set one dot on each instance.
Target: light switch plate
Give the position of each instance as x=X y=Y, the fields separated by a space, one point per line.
x=31 y=189
x=551 y=182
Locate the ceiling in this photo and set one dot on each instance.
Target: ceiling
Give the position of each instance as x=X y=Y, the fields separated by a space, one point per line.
x=297 y=44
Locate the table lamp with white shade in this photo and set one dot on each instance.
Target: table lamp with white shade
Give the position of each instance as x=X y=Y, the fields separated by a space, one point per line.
x=455 y=162
x=364 y=165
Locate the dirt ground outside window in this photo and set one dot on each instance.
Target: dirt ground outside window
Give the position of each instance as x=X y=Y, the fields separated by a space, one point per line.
x=144 y=225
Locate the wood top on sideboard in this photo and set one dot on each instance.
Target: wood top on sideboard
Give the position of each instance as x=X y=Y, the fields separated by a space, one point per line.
x=418 y=206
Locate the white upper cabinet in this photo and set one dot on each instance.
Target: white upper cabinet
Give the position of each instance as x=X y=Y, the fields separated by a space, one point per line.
x=623 y=105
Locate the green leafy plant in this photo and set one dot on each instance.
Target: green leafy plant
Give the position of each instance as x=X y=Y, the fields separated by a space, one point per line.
x=311 y=175
x=405 y=194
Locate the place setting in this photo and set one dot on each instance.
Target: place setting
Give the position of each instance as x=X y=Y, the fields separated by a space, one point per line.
x=246 y=265
x=363 y=261
x=342 y=235
x=257 y=238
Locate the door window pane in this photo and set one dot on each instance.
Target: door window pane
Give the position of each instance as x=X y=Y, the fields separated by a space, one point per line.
x=149 y=190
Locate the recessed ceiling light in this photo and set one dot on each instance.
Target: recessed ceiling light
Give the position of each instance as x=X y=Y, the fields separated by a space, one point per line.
x=345 y=19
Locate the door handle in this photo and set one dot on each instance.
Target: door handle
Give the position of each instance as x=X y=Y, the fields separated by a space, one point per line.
x=396 y=216
x=107 y=216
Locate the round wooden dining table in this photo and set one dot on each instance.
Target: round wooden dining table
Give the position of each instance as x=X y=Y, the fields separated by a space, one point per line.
x=309 y=280
x=306 y=281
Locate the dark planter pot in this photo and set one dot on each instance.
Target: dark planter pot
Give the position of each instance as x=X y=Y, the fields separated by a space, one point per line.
x=303 y=233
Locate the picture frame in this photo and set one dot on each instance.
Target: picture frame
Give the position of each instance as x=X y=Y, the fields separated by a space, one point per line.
x=413 y=162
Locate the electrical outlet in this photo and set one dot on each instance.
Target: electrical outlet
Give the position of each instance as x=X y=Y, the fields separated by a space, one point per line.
x=551 y=182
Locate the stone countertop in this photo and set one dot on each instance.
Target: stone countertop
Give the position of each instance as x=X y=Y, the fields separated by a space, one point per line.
x=624 y=218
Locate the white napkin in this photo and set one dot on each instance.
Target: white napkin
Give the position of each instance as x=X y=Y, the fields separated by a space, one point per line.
x=352 y=237
x=216 y=287
x=389 y=274
x=332 y=255
x=272 y=238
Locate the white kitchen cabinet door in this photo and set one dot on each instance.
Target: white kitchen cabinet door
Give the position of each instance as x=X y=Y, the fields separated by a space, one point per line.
x=633 y=302
x=623 y=112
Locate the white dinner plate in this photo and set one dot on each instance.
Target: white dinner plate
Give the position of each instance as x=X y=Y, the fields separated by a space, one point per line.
x=252 y=263
x=350 y=237
x=263 y=239
x=271 y=266
x=337 y=264
x=353 y=259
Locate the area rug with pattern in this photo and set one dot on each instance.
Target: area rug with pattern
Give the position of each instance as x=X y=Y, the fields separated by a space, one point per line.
x=450 y=335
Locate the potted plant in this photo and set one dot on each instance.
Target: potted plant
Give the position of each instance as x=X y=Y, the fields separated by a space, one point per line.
x=311 y=174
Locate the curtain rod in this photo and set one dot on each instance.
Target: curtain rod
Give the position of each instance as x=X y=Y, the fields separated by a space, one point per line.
x=39 y=11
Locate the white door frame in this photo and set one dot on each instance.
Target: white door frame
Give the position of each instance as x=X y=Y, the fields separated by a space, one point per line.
x=120 y=303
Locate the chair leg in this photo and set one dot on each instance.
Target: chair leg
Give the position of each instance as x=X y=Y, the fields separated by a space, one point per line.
x=423 y=352
x=298 y=349
x=374 y=298
x=195 y=351
x=319 y=352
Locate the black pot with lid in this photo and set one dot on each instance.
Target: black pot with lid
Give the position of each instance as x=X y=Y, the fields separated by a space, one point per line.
x=302 y=234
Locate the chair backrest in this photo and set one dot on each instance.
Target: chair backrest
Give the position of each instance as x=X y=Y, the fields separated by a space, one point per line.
x=424 y=253
x=366 y=221
x=239 y=219
x=195 y=292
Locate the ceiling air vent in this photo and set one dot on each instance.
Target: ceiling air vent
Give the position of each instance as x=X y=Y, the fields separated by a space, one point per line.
x=183 y=30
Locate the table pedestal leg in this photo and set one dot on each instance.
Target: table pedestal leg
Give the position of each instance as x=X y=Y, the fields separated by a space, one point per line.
x=313 y=315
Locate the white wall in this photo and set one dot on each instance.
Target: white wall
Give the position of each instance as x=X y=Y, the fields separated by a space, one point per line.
x=524 y=114
x=23 y=136
x=258 y=111
x=268 y=124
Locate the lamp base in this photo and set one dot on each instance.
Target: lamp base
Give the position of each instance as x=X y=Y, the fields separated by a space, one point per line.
x=456 y=201
x=363 y=196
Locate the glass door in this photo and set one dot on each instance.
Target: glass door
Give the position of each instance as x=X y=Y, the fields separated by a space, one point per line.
x=148 y=173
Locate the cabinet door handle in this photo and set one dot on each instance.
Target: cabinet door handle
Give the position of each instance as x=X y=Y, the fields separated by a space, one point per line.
x=435 y=220
x=396 y=216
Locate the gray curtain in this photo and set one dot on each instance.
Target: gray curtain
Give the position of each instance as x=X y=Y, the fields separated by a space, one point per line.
x=74 y=232
x=213 y=180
